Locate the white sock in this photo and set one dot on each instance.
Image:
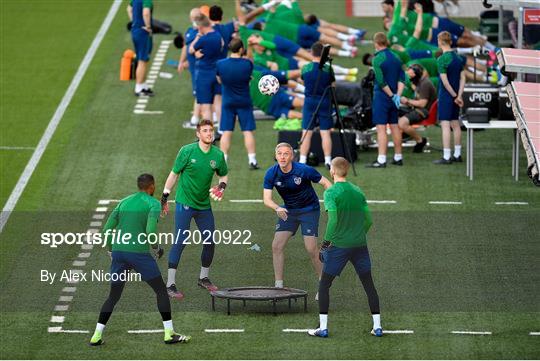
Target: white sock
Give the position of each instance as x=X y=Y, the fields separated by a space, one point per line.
x=303 y=159
x=446 y=153
x=398 y=157
x=465 y=50
x=327 y=159
x=167 y=325
x=352 y=31
x=99 y=327
x=340 y=77
x=346 y=53
x=342 y=36
x=381 y=159
x=346 y=46
x=204 y=272
x=279 y=284
x=251 y=158
x=478 y=72
x=194 y=120
x=214 y=117
x=340 y=70
x=376 y=321
x=299 y=88
x=139 y=87
x=457 y=151
x=323 y=321
x=171 y=276
x=226 y=156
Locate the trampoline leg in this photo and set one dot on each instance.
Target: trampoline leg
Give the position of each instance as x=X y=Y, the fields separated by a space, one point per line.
x=305 y=303
x=289 y=304
x=274 y=307
x=244 y=301
x=228 y=306
x=213 y=303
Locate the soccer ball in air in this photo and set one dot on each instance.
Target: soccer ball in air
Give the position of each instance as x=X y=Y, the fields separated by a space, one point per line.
x=268 y=85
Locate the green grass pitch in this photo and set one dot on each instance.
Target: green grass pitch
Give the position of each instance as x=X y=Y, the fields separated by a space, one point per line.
x=438 y=268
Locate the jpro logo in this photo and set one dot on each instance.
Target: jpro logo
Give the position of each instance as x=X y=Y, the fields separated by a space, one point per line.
x=480 y=97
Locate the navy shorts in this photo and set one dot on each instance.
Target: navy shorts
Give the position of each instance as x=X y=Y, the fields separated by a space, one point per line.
x=293 y=64
x=285 y=47
x=307 y=36
x=435 y=33
x=336 y=258
x=142 y=263
x=324 y=117
x=309 y=221
x=142 y=41
x=452 y=27
x=420 y=54
x=384 y=110
x=245 y=118
x=281 y=75
x=206 y=86
x=280 y=104
x=193 y=85
x=447 y=109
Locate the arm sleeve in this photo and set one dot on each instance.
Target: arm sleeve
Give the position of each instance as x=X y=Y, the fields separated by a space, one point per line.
x=401 y=75
x=313 y=175
x=222 y=170
x=268 y=180
x=379 y=76
x=368 y=221
x=268 y=44
x=181 y=161
x=200 y=43
x=147 y=4
x=111 y=223
x=442 y=64
x=331 y=209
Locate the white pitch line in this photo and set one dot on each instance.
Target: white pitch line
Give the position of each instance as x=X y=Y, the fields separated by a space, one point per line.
x=84 y=255
x=471 y=332
x=224 y=330
x=75 y=331
x=69 y=289
x=60 y=330
x=87 y=247
x=445 y=202
x=145 y=331
x=511 y=203
x=104 y=202
x=16 y=148
x=101 y=209
x=406 y=332
x=78 y=263
x=65 y=299
x=96 y=224
x=57 y=319
x=148 y=112
x=54 y=329
x=58 y=114
x=142 y=100
x=61 y=307
x=302 y=330
x=92 y=230
x=150 y=81
x=98 y=216
x=140 y=106
x=534 y=333
x=381 y=202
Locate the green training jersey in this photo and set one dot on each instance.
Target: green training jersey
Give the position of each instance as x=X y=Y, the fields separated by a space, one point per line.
x=283 y=28
x=402 y=55
x=196 y=169
x=135 y=215
x=260 y=100
x=284 y=13
x=427 y=23
x=413 y=43
x=349 y=218
x=245 y=33
x=430 y=64
x=269 y=54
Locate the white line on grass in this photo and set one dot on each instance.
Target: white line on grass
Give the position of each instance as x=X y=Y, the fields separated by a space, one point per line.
x=95 y=224
x=75 y=331
x=78 y=263
x=60 y=330
x=98 y=216
x=405 y=332
x=104 y=202
x=61 y=307
x=65 y=299
x=17 y=148
x=101 y=209
x=69 y=289
x=534 y=333
x=302 y=330
x=511 y=203
x=58 y=114
x=381 y=202
x=444 y=202
x=224 y=330
x=471 y=332
x=57 y=319
x=148 y=112
x=145 y=331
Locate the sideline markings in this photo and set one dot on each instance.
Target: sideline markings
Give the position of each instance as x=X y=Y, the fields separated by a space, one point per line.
x=471 y=332
x=58 y=114
x=445 y=202
x=59 y=329
x=145 y=331
x=16 y=148
x=405 y=332
x=511 y=203
x=534 y=333
x=303 y=330
x=224 y=330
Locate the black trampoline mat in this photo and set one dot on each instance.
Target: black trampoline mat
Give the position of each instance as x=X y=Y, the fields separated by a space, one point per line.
x=259 y=293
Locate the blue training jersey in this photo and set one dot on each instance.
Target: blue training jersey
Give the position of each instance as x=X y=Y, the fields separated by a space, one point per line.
x=295 y=187
x=226 y=31
x=210 y=45
x=315 y=89
x=235 y=74
x=451 y=64
x=137 y=8
x=189 y=36
x=388 y=70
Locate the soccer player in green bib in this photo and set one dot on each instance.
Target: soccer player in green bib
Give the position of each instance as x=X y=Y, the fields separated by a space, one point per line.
x=195 y=165
x=137 y=216
x=349 y=220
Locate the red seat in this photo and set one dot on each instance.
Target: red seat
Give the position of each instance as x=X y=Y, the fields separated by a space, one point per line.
x=432 y=117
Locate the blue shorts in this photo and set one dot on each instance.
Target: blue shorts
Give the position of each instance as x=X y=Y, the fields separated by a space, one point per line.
x=245 y=118
x=143 y=44
x=435 y=33
x=206 y=86
x=293 y=64
x=420 y=54
x=309 y=221
x=307 y=36
x=142 y=263
x=285 y=47
x=336 y=258
x=384 y=110
x=452 y=27
x=281 y=75
x=446 y=109
x=280 y=104
x=324 y=117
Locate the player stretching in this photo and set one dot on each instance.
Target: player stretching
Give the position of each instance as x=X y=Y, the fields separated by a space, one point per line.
x=197 y=163
x=135 y=215
x=349 y=220
x=293 y=181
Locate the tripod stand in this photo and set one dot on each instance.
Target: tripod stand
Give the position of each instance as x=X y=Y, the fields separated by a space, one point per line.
x=334 y=104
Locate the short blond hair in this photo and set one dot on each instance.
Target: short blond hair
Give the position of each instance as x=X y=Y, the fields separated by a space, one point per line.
x=284 y=144
x=445 y=38
x=380 y=38
x=340 y=166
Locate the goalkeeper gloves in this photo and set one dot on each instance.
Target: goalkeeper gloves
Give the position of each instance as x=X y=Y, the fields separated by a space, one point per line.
x=157 y=252
x=164 y=204
x=324 y=247
x=216 y=192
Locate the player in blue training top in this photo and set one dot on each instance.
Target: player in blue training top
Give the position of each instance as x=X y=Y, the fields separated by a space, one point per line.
x=234 y=74
x=389 y=84
x=207 y=49
x=316 y=81
x=293 y=181
x=189 y=36
x=225 y=30
x=451 y=84
x=140 y=13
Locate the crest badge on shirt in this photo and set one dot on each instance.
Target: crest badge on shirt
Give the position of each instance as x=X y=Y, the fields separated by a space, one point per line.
x=213 y=164
x=297 y=180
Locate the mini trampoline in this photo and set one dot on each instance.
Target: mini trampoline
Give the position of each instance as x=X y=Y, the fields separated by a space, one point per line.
x=272 y=294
